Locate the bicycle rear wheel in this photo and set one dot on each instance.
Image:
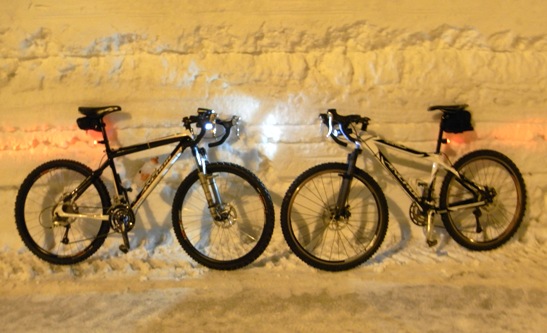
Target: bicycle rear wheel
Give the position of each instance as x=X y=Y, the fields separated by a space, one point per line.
x=61 y=240
x=316 y=236
x=490 y=226
x=242 y=231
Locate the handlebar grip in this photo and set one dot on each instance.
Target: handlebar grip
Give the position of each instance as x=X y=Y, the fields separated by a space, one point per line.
x=332 y=118
x=227 y=124
x=221 y=141
x=325 y=120
x=204 y=119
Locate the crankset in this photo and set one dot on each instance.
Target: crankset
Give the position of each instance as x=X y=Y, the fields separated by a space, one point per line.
x=122 y=220
x=417 y=216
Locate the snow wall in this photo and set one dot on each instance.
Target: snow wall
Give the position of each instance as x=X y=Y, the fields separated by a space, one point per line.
x=277 y=64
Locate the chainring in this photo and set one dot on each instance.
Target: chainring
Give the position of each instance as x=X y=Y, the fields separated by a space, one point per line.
x=417 y=216
x=122 y=218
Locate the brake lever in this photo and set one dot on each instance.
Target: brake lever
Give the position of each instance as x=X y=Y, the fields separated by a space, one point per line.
x=329 y=132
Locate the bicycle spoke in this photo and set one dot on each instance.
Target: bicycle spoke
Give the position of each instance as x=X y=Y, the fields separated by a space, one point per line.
x=503 y=207
x=238 y=229
x=315 y=232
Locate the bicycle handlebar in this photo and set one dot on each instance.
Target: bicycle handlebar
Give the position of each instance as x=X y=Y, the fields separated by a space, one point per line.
x=340 y=125
x=227 y=124
x=206 y=119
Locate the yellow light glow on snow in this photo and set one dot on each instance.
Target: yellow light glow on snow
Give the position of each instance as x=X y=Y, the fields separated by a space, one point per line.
x=271 y=135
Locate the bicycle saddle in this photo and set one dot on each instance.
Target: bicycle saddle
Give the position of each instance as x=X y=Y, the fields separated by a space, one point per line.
x=448 y=108
x=98 y=111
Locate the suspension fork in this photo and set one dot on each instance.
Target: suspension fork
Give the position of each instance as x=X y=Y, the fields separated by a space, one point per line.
x=347 y=177
x=208 y=184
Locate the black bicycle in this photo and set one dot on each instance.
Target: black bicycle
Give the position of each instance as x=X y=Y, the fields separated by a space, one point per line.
x=223 y=215
x=334 y=216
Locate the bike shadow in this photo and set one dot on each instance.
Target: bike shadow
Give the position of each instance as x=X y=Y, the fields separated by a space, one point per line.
x=404 y=228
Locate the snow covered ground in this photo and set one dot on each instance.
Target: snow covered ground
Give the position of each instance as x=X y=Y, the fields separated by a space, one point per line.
x=277 y=64
x=407 y=287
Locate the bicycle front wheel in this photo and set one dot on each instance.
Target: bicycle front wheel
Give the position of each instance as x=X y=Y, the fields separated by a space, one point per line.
x=61 y=240
x=490 y=226
x=229 y=235
x=313 y=232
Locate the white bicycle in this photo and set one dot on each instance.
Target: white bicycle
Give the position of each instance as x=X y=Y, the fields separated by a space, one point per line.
x=334 y=216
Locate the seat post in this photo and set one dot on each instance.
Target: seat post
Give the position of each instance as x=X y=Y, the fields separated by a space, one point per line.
x=105 y=140
x=440 y=139
x=120 y=190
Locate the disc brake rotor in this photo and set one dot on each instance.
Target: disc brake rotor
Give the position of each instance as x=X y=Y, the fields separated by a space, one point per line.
x=227 y=217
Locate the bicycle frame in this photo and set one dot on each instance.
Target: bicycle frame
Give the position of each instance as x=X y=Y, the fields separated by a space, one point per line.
x=205 y=120
x=372 y=143
x=184 y=141
x=424 y=200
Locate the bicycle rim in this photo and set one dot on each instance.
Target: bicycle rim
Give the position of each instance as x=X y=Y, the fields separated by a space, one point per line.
x=240 y=235
x=60 y=240
x=491 y=225
x=316 y=236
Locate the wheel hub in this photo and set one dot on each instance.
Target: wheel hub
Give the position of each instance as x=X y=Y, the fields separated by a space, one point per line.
x=226 y=217
x=489 y=196
x=58 y=221
x=332 y=222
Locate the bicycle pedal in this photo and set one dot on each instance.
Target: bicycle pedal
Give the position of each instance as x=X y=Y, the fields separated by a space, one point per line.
x=124 y=248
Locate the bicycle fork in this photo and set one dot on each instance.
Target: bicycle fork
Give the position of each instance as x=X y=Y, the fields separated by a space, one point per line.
x=342 y=209
x=218 y=210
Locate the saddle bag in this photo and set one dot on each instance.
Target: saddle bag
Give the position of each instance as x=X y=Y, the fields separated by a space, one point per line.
x=456 y=122
x=88 y=123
